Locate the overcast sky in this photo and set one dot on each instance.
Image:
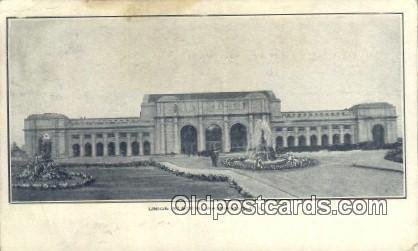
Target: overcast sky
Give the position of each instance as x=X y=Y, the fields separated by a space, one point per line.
x=101 y=67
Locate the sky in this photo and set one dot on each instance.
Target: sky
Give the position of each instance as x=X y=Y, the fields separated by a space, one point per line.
x=102 y=67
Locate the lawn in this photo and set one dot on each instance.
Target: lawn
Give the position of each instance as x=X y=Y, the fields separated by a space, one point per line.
x=130 y=183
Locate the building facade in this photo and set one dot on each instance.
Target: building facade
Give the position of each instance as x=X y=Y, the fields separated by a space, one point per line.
x=195 y=122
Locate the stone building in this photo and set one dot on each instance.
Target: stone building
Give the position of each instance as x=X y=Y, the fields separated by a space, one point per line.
x=192 y=122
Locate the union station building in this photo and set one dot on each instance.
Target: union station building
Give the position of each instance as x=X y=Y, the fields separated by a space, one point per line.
x=194 y=122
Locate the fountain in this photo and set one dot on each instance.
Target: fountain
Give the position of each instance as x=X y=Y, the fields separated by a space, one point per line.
x=263 y=156
x=41 y=172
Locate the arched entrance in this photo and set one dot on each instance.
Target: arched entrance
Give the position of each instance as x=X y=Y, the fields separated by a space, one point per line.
x=314 y=140
x=147 y=148
x=188 y=135
x=378 y=132
x=302 y=141
x=111 y=149
x=238 y=138
x=76 y=150
x=87 y=150
x=324 y=140
x=123 y=148
x=213 y=136
x=99 y=149
x=347 y=139
x=135 y=148
x=279 y=142
x=290 y=141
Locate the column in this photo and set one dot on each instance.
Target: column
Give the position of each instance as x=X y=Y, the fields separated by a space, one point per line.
x=320 y=136
x=201 y=136
x=297 y=138
x=341 y=134
x=330 y=135
x=162 y=135
x=308 y=136
x=81 y=145
x=129 y=146
x=227 y=140
x=117 y=150
x=93 y=144
x=105 y=144
x=176 y=136
x=284 y=136
x=141 y=144
x=251 y=131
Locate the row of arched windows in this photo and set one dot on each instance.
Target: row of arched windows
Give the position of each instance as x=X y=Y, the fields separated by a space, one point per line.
x=123 y=149
x=347 y=140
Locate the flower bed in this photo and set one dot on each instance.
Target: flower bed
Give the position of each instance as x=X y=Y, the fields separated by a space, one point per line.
x=285 y=161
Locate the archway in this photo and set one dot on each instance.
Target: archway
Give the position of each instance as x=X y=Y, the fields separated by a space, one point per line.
x=123 y=148
x=324 y=140
x=111 y=149
x=378 y=132
x=301 y=141
x=314 y=140
x=279 y=142
x=290 y=141
x=147 y=148
x=336 y=139
x=87 y=150
x=135 y=148
x=213 y=136
x=76 y=150
x=188 y=135
x=238 y=136
x=99 y=149
x=347 y=139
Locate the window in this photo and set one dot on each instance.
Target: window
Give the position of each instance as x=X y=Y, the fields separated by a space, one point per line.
x=301 y=129
x=111 y=135
x=134 y=134
x=324 y=127
x=335 y=127
x=99 y=135
x=347 y=126
x=313 y=128
x=122 y=134
x=290 y=129
x=279 y=129
x=75 y=136
x=145 y=134
x=87 y=136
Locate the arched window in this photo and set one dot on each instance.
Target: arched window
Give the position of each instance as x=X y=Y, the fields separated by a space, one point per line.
x=87 y=150
x=123 y=148
x=111 y=149
x=347 y=139
x=135 y=148
x=324 y=140
x=336 y=139
x=314 y=140
x=99 y=149
x=279 y=142
x=147 y=148
x=290 y=141
x=76 y=150
x=302 y=140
